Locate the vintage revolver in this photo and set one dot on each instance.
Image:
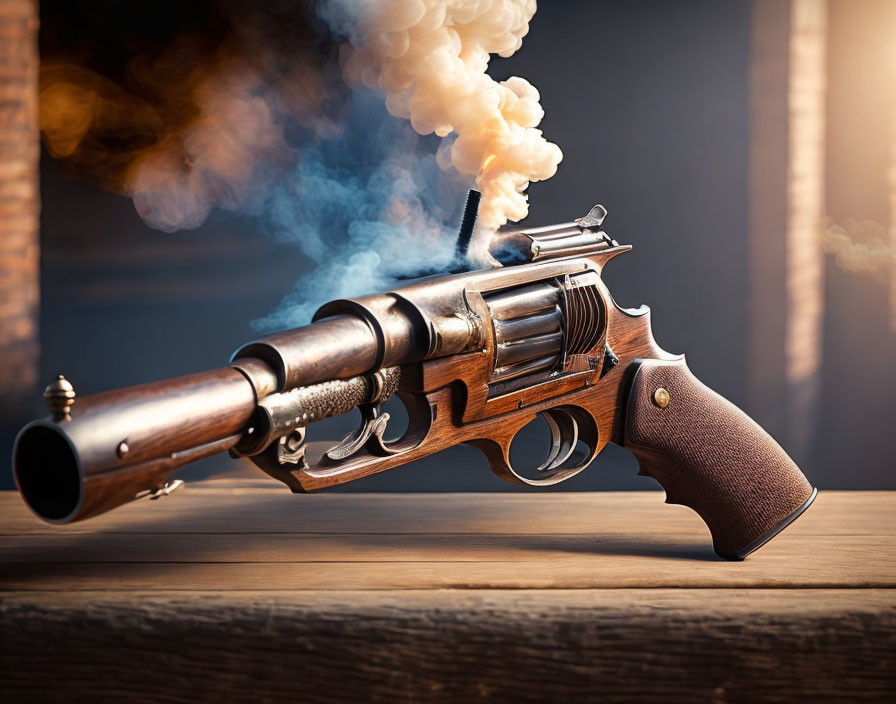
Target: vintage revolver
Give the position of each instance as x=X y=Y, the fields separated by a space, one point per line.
x=474 y=356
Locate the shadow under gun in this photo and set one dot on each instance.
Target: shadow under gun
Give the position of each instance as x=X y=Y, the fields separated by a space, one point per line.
x=474 y=356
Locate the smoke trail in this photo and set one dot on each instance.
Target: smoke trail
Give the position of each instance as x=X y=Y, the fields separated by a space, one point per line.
x=859 y=246
x=368 y=204
x=430 y=58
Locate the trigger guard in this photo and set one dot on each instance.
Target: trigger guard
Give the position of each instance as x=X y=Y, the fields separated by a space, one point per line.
x=568 y=425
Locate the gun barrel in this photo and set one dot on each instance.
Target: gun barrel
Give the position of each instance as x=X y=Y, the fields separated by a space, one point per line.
x=118 y=444
x=335 y=348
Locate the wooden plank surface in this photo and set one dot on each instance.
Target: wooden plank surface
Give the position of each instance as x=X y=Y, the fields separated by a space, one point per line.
x=265 y=506
x=241 y=591
x=239 y=536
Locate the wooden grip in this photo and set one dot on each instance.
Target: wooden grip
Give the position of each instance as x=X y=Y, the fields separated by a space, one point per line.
x=709 y=455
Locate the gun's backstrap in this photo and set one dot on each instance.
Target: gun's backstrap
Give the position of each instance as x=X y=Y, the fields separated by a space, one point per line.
x=709 y=455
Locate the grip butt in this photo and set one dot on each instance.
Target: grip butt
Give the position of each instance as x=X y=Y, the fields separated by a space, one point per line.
x=710 y=456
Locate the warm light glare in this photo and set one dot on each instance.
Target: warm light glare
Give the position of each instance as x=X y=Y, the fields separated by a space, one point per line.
x=181 y=139
x=807 y=80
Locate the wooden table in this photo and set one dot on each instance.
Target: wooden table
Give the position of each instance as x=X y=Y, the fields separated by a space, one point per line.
x=239 y=591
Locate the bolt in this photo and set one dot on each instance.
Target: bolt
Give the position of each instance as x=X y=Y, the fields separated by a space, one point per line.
x=661 y=397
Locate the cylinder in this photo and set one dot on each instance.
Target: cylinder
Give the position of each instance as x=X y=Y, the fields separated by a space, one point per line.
x=529 y=334
x=524 y=300
x=542 y=323
x=526 y=349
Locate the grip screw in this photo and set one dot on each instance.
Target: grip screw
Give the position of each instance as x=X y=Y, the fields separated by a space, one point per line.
x=661 y=397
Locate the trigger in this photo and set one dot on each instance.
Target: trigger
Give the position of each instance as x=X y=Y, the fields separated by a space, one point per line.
x=564 y=438
x=373 y=426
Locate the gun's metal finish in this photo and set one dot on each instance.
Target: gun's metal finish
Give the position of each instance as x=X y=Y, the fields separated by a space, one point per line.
x=475 y=356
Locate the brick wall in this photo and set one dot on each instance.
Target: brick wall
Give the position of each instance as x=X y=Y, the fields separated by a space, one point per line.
x=19 y=204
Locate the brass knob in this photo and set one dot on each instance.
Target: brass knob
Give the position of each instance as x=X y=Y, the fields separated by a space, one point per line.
x=661 y=397
x=59 y=397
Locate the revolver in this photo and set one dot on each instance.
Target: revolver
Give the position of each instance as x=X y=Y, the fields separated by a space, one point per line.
x=474 y=356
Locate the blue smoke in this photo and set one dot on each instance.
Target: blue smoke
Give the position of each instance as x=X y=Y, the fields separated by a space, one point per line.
x=368 y=203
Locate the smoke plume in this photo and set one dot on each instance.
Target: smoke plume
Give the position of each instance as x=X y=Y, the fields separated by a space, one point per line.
x=246 y=111
x=430 y=58
x=369 y=204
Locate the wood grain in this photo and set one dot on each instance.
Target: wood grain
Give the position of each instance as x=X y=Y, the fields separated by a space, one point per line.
x=240 y=591
x=262 y=506
x=607 y=646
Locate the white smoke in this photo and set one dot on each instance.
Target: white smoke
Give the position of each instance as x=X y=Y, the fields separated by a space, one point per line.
x=430 y=58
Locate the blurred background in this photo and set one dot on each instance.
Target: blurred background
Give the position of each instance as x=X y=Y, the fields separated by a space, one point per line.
x=746 y=149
